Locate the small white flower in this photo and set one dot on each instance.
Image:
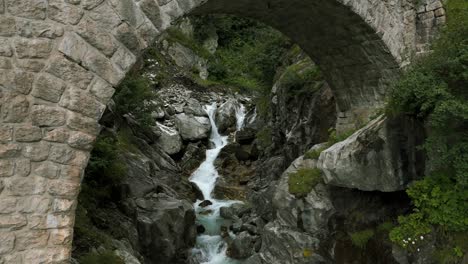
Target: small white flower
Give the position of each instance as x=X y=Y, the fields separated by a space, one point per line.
x=422 y=237
x=409 y=238
x=413 y=243
x=418 y=249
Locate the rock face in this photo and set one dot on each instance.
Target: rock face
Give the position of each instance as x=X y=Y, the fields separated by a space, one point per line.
x=166 y=228
x=170 y=140
x=192 y=127
x=381 y=156
x=300 y=119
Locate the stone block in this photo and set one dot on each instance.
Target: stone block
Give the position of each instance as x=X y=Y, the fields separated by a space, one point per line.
x=16 y=109
x=47 y=255
x=90 y=4
x=36 y=151
x=439 y=12
x=434 y=5
x=5 y=48
x=102 y=90
x=89 y=30
x=23 y=81
x=9 y=150
x=33 y=65
x=22 y=167
x=82 y=123
x=60 y=188
x=7 y=168
x=61 y=153
x=129 y=37
x=59 y=221
x=7 y=241
x=70 y=72
x=61 y=236
x=12 y=221
x=47 y=116
x=27 y=186
x=48 y=87
x=46 y=169
x=33 y=9
x=62 y=205
x=28 y=133
x=64 y=13
x=33 y=48
x=152 y=11
x=6 y=134
x=129 y=11
x=124 y=59
x=82 y=102
x=5 y=63
x=38 y=29
x=81 y=140
x=8 y=205
x=7 y=26
x=29 y=239
x=72 y=173
x=105 y=15
x=34 y=204
x=59 y=135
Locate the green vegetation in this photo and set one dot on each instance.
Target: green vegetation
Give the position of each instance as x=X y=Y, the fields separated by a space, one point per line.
x=314 y=154
x=264 y=138
x=302 y=78
x=107 y=257
x=360 y=238
x=176 y=35
x=435 y=90
x=134 y=96
x=248 y=53
x=303 y=181
x=106 y=171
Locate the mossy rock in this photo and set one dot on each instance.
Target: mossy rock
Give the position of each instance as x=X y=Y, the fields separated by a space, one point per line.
x=303 y=181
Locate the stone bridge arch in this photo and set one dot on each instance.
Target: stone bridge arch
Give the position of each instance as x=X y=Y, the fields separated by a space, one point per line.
x=60 y=59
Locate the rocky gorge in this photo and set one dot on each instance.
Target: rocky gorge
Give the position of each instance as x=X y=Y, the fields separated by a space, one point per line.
x=304 y=192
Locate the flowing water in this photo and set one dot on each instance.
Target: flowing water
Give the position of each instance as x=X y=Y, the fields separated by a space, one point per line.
x=210 y=247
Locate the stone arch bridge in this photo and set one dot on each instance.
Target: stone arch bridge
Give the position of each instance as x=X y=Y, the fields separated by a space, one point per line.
x=60 y=59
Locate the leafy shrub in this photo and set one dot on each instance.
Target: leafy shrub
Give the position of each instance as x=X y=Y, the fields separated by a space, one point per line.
x=301 y=78
x=314 y=154
x=176 y=35
x=264 y=138
x=361 y=238
x=303 y=181
x=435 y=90
x=107 y=257
x=135 y=96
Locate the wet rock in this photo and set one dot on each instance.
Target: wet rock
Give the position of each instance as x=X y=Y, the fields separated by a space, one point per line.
x=246 y=135
x=200 y=229
x=241 y=247
x=192 y=127
x=226 y=115
x=205 y=203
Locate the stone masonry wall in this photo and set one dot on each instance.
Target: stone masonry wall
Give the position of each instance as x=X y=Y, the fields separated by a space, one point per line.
x=61 y=59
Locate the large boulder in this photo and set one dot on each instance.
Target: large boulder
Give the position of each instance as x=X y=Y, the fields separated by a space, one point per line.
x=166 y=228
x=226 y=115
x=169 y=140
x=193 y=107
x=382 y=156
x=192 y=128
x=242 y=246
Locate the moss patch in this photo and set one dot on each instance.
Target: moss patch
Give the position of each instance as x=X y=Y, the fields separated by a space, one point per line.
x=360 y=238
x=303 y=181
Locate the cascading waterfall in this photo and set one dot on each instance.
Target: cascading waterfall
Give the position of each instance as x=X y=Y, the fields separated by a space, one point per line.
x=210 y=247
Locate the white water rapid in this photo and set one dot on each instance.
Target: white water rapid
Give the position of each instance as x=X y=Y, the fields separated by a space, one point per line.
x=210 y=247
